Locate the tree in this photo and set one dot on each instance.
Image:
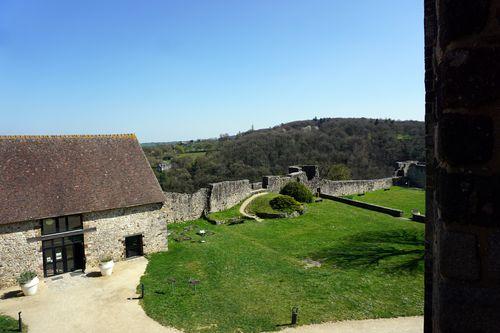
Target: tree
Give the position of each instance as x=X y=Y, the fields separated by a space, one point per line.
x=338 y=172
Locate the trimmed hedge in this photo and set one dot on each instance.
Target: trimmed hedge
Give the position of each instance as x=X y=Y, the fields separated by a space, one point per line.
x=285 y=203
x=298 y=191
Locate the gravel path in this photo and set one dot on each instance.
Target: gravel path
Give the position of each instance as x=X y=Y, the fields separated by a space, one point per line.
x=86 y=304
x=389 y=325
x=246 y=203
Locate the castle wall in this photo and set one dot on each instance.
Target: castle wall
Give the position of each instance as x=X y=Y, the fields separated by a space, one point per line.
x=185 y=206
x=225 y=195
x=348 y=187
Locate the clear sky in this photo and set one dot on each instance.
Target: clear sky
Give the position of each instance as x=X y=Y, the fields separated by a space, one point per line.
x=180 y=69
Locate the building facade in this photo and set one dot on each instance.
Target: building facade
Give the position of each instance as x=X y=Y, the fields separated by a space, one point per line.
x=64 y=205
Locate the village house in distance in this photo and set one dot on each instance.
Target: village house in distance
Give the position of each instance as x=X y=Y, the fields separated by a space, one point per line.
x=68 y=201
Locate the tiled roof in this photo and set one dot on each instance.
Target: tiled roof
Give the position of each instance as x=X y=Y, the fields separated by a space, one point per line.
x=48 y=176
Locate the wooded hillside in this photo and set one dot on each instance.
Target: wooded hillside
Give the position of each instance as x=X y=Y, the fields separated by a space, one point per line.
x=342 y=147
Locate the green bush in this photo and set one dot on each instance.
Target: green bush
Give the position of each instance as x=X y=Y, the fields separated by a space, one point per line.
x=285 y=203
x=298 y=191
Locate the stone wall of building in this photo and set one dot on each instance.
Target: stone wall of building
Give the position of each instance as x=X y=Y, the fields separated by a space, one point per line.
x=349 y=187
x=112 y=226
x=17 y=253
x=225 y=195
x=462 y=81
x=185 y=206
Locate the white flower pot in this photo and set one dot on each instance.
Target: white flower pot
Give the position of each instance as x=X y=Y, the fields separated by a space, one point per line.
x=106 y=268
x=30 y=288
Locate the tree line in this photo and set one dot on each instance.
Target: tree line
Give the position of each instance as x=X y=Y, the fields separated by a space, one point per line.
x=343 y=148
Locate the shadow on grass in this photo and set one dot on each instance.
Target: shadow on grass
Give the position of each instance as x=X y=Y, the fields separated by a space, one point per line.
x=397 y=251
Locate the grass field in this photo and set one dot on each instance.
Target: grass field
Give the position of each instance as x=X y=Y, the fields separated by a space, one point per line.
x=228 y=214
x=261 y=204
x=9 y=325
x=397 y=197
x=251 y=275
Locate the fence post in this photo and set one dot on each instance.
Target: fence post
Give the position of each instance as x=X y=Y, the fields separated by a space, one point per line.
x=19 y=322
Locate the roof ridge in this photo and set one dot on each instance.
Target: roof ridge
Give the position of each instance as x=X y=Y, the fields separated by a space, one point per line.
x=69 y=136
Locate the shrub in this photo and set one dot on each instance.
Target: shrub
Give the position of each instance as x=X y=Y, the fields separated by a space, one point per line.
x=285 y=203
x=298 y=191
x=105 y=259
x=26 y=277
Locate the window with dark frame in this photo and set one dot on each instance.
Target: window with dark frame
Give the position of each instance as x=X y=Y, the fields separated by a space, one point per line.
x=61 y=224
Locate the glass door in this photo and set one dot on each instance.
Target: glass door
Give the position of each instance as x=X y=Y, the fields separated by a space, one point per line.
x=61 y=255
x=59 y=263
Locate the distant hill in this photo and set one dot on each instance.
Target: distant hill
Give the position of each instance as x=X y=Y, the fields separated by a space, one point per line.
x=360 y=148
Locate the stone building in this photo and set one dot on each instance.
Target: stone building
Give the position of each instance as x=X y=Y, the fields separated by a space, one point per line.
x=65 y=205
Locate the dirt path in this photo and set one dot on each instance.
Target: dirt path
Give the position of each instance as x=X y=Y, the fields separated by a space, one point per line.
x=246 y=203
x=389 y=325
x=86 y=304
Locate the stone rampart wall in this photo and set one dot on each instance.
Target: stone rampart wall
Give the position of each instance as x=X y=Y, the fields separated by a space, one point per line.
x=225 y=195
x=276 y=183
x=348 y=187
x=185 y=206
x=220 y=196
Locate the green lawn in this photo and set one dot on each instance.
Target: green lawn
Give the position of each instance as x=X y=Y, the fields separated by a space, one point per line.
x=228 y=214
x=9 y=325
x=251 y=275
x=397 y=197
x=261 y=204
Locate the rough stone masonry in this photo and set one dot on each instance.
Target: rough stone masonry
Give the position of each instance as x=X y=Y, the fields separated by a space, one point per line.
x=462 y=80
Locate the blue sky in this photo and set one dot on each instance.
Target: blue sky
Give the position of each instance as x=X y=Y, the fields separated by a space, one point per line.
x=181 y=69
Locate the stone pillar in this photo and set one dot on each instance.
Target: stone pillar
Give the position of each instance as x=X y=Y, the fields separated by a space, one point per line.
x=462 y=64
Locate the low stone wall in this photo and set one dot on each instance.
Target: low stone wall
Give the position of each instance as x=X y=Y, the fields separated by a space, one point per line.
x=365 y=205
x=348 y=187
x=225 y=195
x=112 y=226
x=17 y=254
x=184 y=206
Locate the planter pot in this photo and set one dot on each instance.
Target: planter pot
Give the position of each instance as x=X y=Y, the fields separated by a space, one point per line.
x=30 y=288
x=106 y=268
